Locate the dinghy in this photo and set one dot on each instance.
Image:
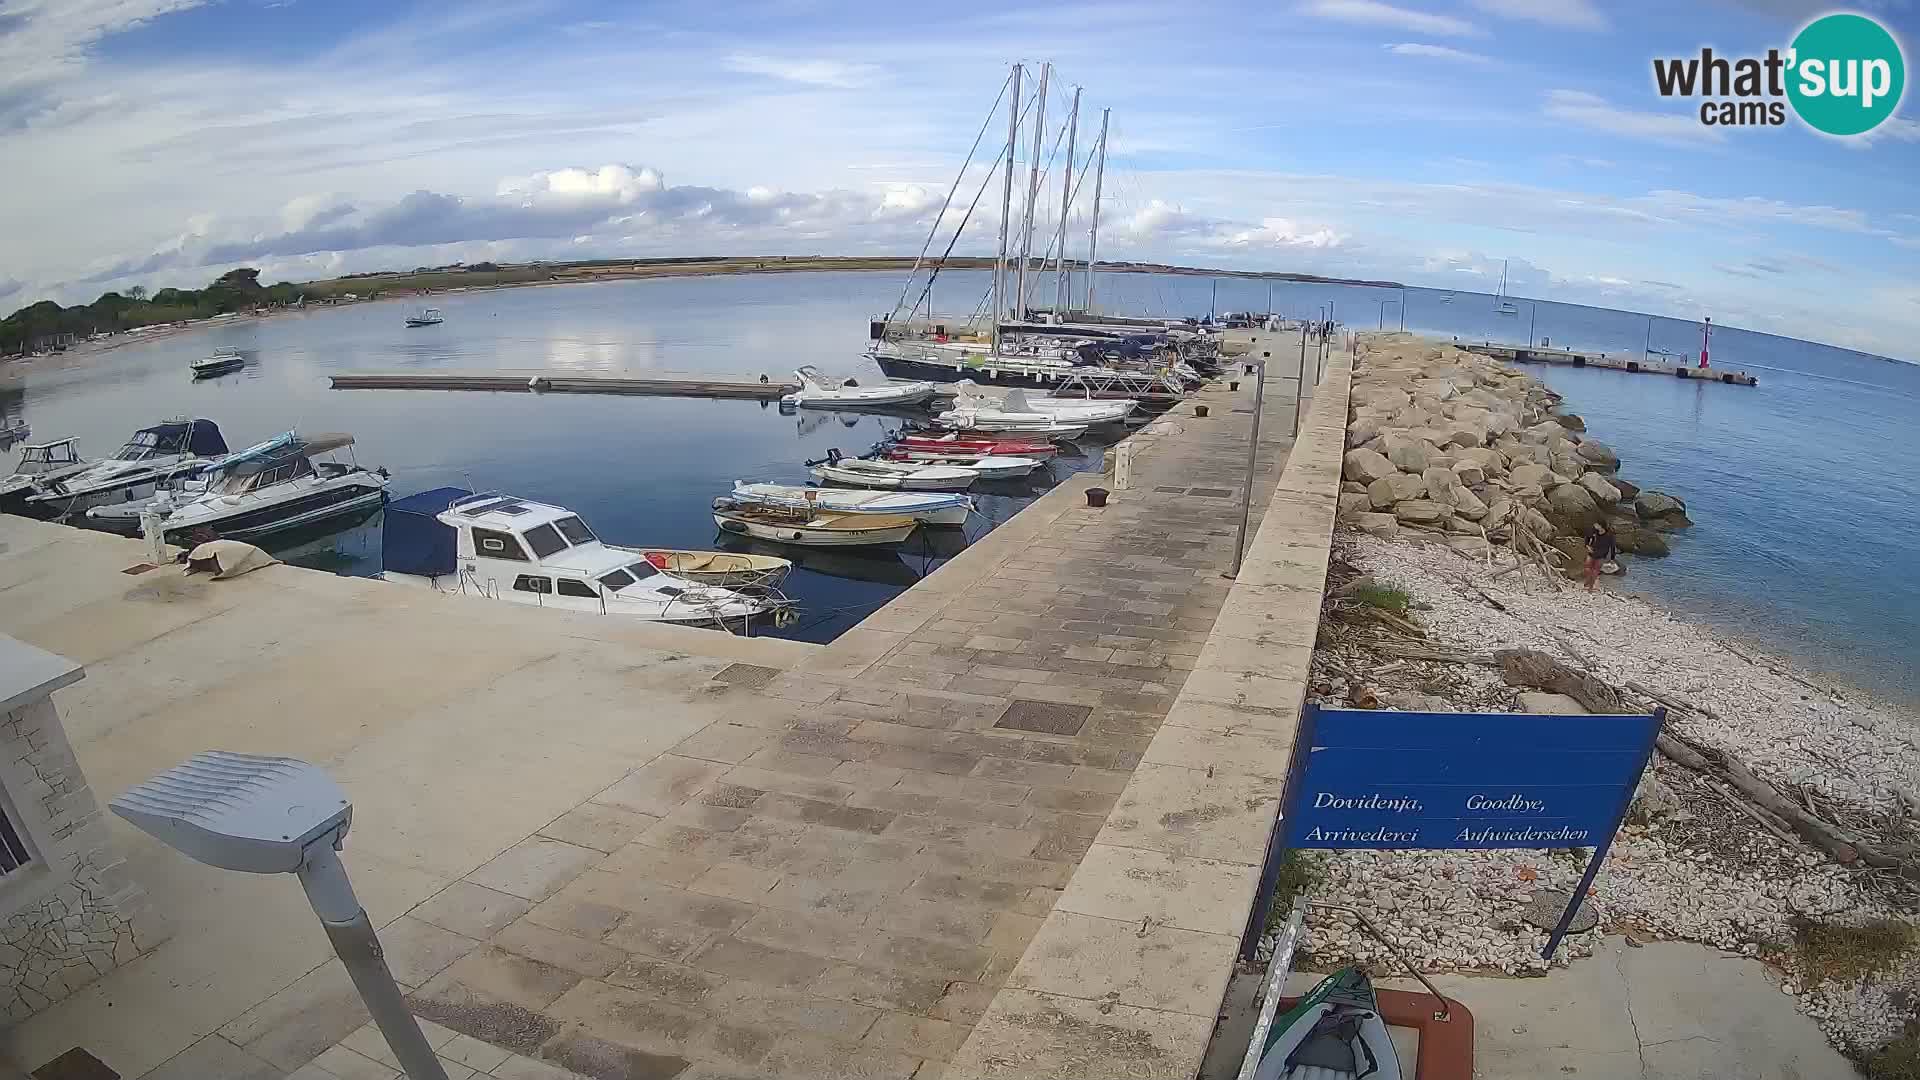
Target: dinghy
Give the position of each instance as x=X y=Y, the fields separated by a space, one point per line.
x=1334 y=1033
x=46 y=463
x=1018 y=402
x=926 y=507
x=891 y=475
x=814 y=393
x=810 y=528
x=987 y=466
x=718 y=567
x=219 y=362
x=952 y=443
x=426 y=317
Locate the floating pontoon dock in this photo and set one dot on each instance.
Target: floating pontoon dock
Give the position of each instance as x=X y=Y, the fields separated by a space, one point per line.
x=568 y=382
x=1525 y=354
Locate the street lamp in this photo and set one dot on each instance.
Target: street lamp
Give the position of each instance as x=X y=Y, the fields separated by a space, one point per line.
x=275 y=815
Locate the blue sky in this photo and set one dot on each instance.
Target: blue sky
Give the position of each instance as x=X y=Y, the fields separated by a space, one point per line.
x=162 y=141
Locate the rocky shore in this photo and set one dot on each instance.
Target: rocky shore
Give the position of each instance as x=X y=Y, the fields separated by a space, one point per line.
x=1471 y=479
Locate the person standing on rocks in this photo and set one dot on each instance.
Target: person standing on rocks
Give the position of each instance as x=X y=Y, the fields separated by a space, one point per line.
x=1601 y=548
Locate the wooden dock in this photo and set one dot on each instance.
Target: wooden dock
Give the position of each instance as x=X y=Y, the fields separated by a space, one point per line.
x=1522 y=354
x=566 y=382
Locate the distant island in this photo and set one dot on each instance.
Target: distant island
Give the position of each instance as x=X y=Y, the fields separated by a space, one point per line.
x=45 y=325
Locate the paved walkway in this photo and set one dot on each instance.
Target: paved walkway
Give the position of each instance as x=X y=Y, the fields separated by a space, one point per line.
x=835 y=878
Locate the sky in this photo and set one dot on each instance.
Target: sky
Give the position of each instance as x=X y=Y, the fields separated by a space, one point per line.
x=161 y=142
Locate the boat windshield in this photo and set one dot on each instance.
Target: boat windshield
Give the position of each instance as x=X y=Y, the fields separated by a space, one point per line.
x=574 y=530
x=141 y=446
x=619 y=579
x=544 y=540
x=642 y=570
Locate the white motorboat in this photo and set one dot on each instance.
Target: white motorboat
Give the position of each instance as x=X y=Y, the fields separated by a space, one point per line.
x=502 y=548
x=1088 y=411
x=986 y=466
x=155 y=456
x=980 y=416
x=426 y=317
x=891 y=475
x=814 y=393
x=220 y=361
x=269 y=488
x=810 y=528
x=42 y=464
x=926 y=507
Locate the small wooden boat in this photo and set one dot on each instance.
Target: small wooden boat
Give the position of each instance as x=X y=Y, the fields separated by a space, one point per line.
x=814 y=393
x=1336 y=1032
x=891 y=475
x=426 y=317
x=813 y=529
x=926 y=507
x=719 y=567
x=218 y=362
x=951 y=443
x=987 y=466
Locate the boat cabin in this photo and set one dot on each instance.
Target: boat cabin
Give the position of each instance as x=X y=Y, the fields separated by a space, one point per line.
x=47 y=457
x=504 y=545
x=194 y=438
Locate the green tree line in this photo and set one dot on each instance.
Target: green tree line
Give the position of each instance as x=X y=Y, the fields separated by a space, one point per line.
x=235 y=290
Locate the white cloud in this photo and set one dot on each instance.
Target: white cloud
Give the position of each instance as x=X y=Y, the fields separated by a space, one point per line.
x=1596 y=113
x=1375 y=13
x=1569 y=14
x=1893 y=128
x=833 y=74
x=1440 y=52
x=45 y=39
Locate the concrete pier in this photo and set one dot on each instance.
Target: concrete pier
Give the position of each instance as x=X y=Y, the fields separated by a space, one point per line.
x=1528 y=354
x=542 y=381
x=611 y=850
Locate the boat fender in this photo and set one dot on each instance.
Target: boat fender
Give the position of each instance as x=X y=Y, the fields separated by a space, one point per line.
x=732 y=527
x=785 y=616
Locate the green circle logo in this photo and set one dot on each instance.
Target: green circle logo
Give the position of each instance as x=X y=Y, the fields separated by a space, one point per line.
x=1847 y=74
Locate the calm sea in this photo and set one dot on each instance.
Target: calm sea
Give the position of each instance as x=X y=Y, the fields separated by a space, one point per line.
x=1806 y=489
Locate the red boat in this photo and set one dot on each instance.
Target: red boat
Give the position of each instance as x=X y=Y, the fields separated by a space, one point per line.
x=977 y=443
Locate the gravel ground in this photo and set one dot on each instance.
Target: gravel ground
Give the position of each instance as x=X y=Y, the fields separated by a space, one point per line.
x=1696 y=867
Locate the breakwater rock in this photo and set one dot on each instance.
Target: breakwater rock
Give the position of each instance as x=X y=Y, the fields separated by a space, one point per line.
x=1456 y=444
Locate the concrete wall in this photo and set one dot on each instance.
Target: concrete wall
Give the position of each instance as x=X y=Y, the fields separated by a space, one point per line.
x=1126 y=975
x=71 y=915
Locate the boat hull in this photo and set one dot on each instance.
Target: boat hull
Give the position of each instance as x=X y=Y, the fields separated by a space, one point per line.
x=734 y=616
x=204 y=371
x=805 y=536
x=925 y=507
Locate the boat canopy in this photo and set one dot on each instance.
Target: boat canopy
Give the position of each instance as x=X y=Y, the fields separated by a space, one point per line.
x=414 y=540
x=200 y=438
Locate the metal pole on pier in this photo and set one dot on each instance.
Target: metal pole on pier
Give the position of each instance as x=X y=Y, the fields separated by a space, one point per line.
x=1093 y=234
x=1006 y=209
x=1062 y=295
x=1033 y=192
x=1533 y=316
x=1253 y=459
x=1300 y=380
x=1403 y=310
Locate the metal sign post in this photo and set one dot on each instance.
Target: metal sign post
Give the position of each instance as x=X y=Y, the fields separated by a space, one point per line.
x=1253 y=458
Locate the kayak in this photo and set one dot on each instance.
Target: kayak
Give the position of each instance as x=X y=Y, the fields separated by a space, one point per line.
x=1334 y=1033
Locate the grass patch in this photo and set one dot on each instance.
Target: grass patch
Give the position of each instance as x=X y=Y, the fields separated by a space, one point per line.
x=1390 y=598
x=1300 y=872
x=1899 y=1059
x=1840 y=952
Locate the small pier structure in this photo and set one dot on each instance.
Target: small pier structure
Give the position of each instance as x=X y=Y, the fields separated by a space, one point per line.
x=1530 y=354
x=568 y=382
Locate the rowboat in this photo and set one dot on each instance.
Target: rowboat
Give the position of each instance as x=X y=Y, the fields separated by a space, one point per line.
x=987 y=466
x=926 y=507
x=892 y=475
x=812 y=528
x=982 y=418
x=814 y=393
x=1018 y=402
x=719 y=567
x=1335 y=1032
x=952 y=443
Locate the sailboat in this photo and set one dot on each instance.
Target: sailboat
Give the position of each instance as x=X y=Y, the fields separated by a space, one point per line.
x=1501 y=304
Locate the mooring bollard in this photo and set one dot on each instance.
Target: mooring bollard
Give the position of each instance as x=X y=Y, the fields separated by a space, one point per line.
x=1233 y=384
x=1096 y=496
x=1200 y=411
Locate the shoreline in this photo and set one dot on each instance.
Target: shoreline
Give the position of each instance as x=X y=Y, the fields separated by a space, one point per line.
x=1696 y=861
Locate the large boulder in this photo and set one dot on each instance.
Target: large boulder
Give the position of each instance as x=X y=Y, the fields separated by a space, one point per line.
x=1444 y=487
x=1570 y=421
x=1533 y=521
x=1419 y=511
x=1606 y=494
x=1565 y=462
x=1352 y=487
x=1572 y=508
x=1407 y=455
x=1354 y=504
x=1628 y=492
x=1363 y=430
x=1529 y=474
x=1465 y=433
x=1598 y=454
x=1492 y=462
x=1383 y=525
x=1399 y=487
x=1469 y=472
x=1366 y=466
x=1661 y=510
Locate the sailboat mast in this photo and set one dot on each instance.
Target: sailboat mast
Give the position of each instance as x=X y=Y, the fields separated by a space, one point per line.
x=1006 y=206
x=1093 y=234
x=1063 y=296
x=1033 y=192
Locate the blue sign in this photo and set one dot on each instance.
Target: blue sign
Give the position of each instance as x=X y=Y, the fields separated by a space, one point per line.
x=1375 y=779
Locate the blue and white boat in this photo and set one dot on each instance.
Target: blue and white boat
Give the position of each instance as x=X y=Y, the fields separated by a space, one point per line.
x=155 y=457
x=271 y=487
